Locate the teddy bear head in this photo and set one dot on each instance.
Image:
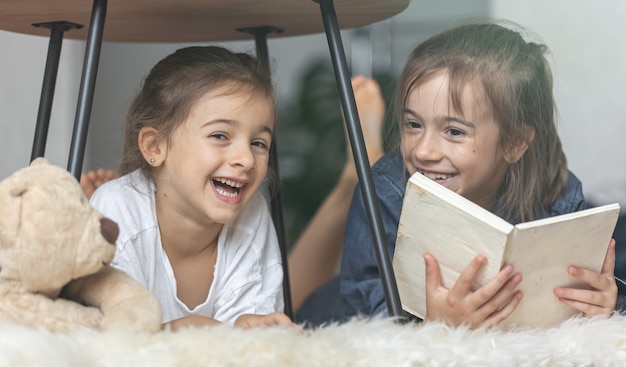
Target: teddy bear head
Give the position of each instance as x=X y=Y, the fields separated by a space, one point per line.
x=49 y=234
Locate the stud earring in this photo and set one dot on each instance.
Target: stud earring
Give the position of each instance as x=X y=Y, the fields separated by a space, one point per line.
x=152 y=161
x=510 y=158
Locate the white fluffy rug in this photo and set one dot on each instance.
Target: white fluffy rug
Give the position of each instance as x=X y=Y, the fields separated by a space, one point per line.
x=577 y=342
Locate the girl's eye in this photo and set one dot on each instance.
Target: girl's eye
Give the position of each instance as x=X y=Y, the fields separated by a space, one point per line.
x=412 y=124
x=260 y=144
x=456 y=132
x=218 y=136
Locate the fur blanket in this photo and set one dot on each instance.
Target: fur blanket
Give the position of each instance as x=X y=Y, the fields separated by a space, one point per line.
x=577 y=342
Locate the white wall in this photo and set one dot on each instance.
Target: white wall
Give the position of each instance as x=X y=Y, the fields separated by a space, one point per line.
x=22 y=67
x=589 y=63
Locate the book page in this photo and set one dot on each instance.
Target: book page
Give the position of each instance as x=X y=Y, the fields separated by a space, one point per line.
x=543 y=250
x=453 y=229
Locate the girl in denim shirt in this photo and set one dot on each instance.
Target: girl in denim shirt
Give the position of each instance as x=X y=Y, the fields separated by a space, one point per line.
x=475 y=113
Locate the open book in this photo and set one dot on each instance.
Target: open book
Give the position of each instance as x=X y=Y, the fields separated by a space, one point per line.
x=435 y=219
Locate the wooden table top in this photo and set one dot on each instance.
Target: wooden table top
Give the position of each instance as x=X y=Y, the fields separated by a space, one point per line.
x=191 y=20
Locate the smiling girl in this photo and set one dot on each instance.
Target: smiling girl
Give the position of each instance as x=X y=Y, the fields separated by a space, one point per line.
x=194 y=229
x=476 y=113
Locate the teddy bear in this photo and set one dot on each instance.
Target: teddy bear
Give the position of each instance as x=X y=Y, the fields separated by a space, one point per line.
x=55 y=254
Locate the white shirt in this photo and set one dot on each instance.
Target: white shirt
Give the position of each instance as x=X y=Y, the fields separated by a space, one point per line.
x=248 y=273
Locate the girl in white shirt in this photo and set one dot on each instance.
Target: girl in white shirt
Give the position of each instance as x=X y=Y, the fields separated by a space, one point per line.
x=194 y=229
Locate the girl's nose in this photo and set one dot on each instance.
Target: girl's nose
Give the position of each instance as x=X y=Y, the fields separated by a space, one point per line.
x=428 y=148
x=243 y=156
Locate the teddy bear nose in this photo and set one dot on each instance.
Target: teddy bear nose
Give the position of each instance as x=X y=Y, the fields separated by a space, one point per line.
x=109 y=230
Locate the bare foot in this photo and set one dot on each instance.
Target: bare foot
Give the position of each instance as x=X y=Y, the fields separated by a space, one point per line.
x=371 y=109
x=91 y=180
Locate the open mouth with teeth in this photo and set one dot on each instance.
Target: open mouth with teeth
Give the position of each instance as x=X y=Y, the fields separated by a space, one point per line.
x=228 y=188
x=440 y=177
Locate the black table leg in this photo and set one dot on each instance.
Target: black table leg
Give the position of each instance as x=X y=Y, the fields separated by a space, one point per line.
x=260 y=37
x=87 y=87
x=49 y=83
x=357 y=144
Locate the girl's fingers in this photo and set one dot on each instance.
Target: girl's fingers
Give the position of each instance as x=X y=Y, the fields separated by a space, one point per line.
x=588 y=302
x=433 y=274
x=505 y=311
x=608 y=268
x=596 y=281
x=602 y=295
x=497 y=291
x=502 y=297
x=463 y=284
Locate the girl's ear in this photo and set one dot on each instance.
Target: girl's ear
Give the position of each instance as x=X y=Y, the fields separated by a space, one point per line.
x=519 y=148
x=153 y=147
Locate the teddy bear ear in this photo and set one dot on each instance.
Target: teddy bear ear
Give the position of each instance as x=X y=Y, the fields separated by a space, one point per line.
x=18 y=189
x=11 y=191
x=38 y=161
x=13 y=186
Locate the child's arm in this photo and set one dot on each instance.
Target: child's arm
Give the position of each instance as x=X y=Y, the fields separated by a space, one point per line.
x=601 y=299
x=245 y=321
x=486 y=306
x=189 y=321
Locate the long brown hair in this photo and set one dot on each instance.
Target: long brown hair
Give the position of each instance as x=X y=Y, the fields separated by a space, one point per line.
x=516 y=82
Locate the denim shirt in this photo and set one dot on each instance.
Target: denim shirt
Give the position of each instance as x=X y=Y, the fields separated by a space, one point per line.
x=360 y=284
